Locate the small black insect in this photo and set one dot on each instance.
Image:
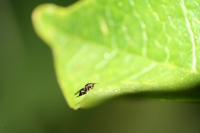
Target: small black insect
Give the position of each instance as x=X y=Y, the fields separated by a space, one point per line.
x=84 y=90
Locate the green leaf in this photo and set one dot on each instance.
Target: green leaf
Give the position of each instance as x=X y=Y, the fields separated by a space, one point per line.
x=127 y=46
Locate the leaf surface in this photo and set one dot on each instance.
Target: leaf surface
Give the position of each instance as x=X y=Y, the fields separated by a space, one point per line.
x=127 y=46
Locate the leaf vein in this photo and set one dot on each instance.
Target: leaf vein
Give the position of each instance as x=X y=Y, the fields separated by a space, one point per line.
x=144 y=34
x=150 y=67
x=188 y=25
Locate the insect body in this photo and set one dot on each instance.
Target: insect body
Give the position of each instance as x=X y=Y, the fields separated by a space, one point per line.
x=84 y=90
x=89 y=86
x=81 y=92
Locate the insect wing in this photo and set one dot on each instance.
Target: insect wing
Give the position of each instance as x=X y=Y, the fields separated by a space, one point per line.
x=78 y=91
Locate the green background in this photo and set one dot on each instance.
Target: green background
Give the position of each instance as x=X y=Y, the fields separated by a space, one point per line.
x=31 y=100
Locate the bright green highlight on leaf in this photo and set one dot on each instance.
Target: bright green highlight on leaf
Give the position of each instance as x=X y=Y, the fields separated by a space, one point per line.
x=128 y=46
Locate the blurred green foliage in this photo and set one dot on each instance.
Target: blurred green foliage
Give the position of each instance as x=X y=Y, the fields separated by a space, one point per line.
x=31 y=101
